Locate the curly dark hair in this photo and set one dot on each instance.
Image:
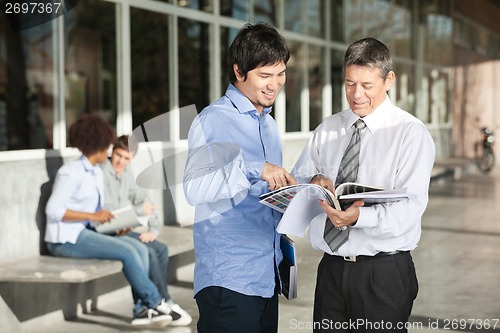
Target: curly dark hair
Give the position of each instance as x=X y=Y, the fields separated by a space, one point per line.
x=91 y=134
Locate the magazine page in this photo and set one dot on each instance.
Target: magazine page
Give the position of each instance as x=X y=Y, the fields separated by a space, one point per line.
x=354 y=188
x=303 y=208
x=280 y=199
x=393 y=193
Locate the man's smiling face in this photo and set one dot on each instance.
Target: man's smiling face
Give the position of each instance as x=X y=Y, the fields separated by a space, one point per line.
x=365 y=88
x=262 y=84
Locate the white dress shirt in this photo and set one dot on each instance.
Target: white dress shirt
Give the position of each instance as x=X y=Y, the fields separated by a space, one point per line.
x=397 y=151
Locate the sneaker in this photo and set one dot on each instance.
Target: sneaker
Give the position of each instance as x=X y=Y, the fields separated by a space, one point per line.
x=179 y=316
x=151 y=317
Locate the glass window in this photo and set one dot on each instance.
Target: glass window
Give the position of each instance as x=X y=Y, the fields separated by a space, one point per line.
x=227 y=37
x=294 y=18
x=377 y=19
x=26 y=86
x=404 y=87
x=90 y=60
x=438 y=40
x=494 y=46
x=337 y=20
x=266 y=11
x=316 y=76
x=150 y=65
x=203 y=5
x=337 y=80
x=352 y=25
x=356 y=19
x=305 y=17
x=294 y=86
x=439 y=28
x=315 y=18
x=401 y=35
x=238 y=9
x=194 y=71
x=439 y=97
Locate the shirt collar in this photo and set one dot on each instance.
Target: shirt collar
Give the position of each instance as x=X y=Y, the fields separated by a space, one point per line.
x=374 y=120
x=107 y=168
x=86 y=164
x=95 y=169
x=241 y=102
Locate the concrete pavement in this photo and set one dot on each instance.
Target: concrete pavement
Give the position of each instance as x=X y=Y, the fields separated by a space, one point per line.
x=457 y=261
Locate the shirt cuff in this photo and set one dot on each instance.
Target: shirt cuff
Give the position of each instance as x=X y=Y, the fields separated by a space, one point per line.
x=316 y=174
x=367 y=218
x=253 y=169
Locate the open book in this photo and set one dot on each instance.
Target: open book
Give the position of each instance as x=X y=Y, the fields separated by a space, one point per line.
x=288 y=268
x=300 y=206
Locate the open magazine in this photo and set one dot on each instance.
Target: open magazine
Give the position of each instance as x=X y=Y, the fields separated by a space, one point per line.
x=300 y=206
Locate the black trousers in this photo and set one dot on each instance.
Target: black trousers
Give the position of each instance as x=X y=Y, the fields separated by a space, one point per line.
x=226 y=311
x=373 y=295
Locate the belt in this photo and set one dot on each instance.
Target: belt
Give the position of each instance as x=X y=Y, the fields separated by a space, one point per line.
x=378 y=255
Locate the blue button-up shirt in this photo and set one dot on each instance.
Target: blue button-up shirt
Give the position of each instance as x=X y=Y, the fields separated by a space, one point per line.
x=236 y=244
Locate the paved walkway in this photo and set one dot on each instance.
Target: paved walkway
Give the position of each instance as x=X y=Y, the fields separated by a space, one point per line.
x=458 y=266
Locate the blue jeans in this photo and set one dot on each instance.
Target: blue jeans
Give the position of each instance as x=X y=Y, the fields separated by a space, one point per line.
x=91 y=244
x=158 y=264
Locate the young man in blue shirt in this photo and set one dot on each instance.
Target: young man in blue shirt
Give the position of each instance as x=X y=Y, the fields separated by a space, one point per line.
x=235 y=156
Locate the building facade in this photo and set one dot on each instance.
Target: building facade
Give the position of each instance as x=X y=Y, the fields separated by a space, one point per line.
x=132 y=61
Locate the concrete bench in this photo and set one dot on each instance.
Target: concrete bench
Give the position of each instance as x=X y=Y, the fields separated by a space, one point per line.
x=451 y=167
x=51 y=269
x=34 y=289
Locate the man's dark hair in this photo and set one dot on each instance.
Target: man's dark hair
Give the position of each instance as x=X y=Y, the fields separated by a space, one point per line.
x=121 y=142
x=256 y=45
x=127 y=143
x=90 y=134
x=369 y=52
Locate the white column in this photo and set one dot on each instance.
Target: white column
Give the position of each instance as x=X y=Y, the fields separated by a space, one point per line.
x=124 y=70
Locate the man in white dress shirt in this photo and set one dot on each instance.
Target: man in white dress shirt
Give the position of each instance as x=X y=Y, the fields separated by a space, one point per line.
x=369 y=283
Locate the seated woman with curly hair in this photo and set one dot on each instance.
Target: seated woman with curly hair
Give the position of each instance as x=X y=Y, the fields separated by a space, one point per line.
x=75 y=206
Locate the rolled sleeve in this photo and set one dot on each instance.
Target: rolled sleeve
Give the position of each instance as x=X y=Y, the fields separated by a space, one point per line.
x=65 y=186
x=254 y=169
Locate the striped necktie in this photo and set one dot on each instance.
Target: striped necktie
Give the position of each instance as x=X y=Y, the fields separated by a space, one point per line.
x=348 y=171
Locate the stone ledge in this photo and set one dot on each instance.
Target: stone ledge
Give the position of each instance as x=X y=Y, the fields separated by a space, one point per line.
x=72 y=270
x=58 y=270
x=451 y=167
